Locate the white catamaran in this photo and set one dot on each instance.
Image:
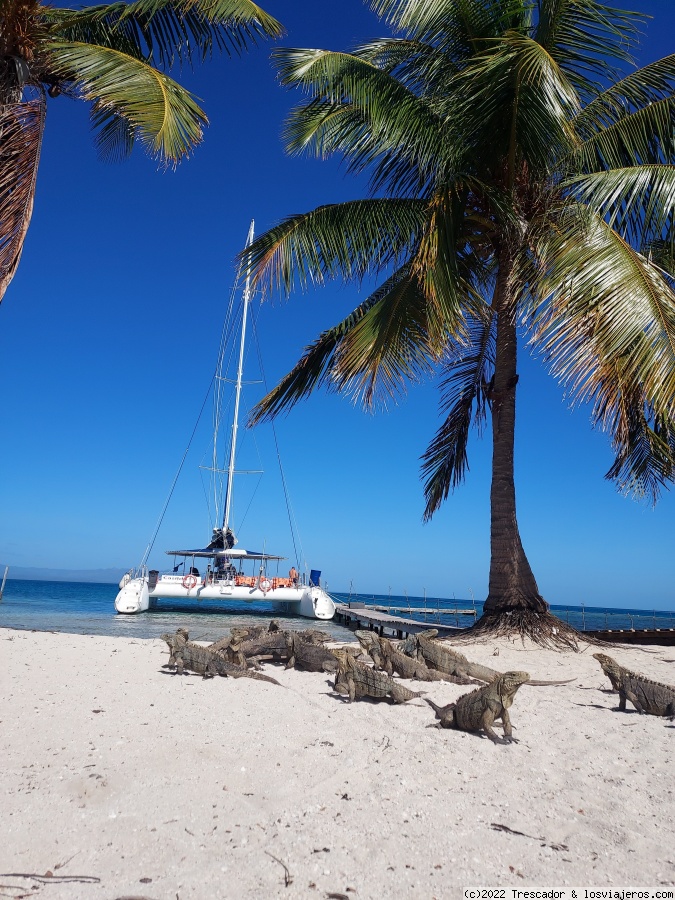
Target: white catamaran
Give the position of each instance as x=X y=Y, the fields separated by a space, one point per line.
x=231 y=574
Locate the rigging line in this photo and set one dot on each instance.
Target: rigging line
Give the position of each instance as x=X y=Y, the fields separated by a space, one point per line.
x=180 y=469
x=276 y=444
x=250 y=503
x=206 y=498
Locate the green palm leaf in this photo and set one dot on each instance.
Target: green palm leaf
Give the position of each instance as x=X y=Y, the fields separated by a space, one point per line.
x=370 y=354
x=517 y=105
x=162 y=114
x=609 y=324
x=459 y=28
x=637 y=201
x=167 y=30
x=639 y=89
x=386 y=120
x=346 y=240
x=464 y=399
x=645 y=448
x=589 y=40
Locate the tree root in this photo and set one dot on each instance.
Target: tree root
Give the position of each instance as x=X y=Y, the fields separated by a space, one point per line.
x=543 y=628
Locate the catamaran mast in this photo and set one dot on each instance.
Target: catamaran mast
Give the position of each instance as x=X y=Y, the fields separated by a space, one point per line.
x=237 y=394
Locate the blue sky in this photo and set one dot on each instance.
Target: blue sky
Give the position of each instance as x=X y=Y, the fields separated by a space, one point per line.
x=108 y=338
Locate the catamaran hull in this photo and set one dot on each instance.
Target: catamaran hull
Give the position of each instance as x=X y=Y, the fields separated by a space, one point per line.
x=312 y=602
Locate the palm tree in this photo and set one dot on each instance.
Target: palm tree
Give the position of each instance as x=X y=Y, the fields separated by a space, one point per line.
x=112 y=56
x=520 y=189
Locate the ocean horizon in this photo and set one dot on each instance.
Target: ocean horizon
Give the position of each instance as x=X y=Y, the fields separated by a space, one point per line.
x=79 y=607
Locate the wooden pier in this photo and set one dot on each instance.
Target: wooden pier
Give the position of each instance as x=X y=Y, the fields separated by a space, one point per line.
x=663 y=636
x=427 y=610
x=376 y=620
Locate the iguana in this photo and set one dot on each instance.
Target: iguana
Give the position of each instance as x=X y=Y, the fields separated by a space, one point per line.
x=239 y=635
x=478 y=710
x=647 y=696
x=388 y=657
x=358 y=680
x=440 y=657
x=275 y=643
x=269 y=644
x=187 y=655
x=308 y=656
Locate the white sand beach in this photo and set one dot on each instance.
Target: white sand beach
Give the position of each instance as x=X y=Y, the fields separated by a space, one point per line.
x=165 y=787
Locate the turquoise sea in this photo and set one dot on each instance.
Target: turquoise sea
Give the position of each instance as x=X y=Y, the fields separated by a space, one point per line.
x=85 y=608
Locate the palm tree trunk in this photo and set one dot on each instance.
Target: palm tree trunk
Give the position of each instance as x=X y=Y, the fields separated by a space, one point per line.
x=512 y=584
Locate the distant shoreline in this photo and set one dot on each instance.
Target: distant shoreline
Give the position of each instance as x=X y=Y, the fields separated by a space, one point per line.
x=91 y=576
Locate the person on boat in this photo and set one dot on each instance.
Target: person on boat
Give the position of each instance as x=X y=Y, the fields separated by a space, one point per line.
x=194 y=571
x=293 y=576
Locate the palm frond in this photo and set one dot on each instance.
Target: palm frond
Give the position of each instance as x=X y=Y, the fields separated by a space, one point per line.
x=641 y=137
x=114 y=135
x=369 y=355
x=459 y=28
x=386 y=125
x=423 y=68
x=166 y=30
x=440 y=266
x=645 y=450
x=639 y=89
x=21 y=127
x=345 y=239
x=609 y=325
x=589 y=40
x=464 y=399
x=637 y=201
x=517 y=105
x=161 y=113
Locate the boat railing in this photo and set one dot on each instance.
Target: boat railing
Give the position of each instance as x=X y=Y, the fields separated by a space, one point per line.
x=136 y=572
x=212 y=578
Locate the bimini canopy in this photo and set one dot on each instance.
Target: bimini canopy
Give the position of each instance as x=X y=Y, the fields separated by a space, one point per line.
x=232 y=553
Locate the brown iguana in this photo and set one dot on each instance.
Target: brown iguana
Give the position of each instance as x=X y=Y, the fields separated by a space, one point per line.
x=358 y=680
x=387 y=657
x=647 y=696
x=308 y=656
x=239 y=635
x=440 y=657
x=187 y=655
x=478 y=710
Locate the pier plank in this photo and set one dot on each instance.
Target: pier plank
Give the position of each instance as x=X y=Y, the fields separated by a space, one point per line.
x=378 y=620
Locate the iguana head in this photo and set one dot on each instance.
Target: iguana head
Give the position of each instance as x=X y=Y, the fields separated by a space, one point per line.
x=608 y=664
x=343 y=658
x=509 y=682
x=409 y=645
x=367 y=639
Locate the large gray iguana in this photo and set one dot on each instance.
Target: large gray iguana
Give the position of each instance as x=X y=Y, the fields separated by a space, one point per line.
x=438 y=655
x=647 y=696
x=184 y=654
x=390 y=659
x=358 y=680
x=480 y=709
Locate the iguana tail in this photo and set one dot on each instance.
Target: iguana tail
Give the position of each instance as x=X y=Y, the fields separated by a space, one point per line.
x=249 y=673
x=436 y=708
